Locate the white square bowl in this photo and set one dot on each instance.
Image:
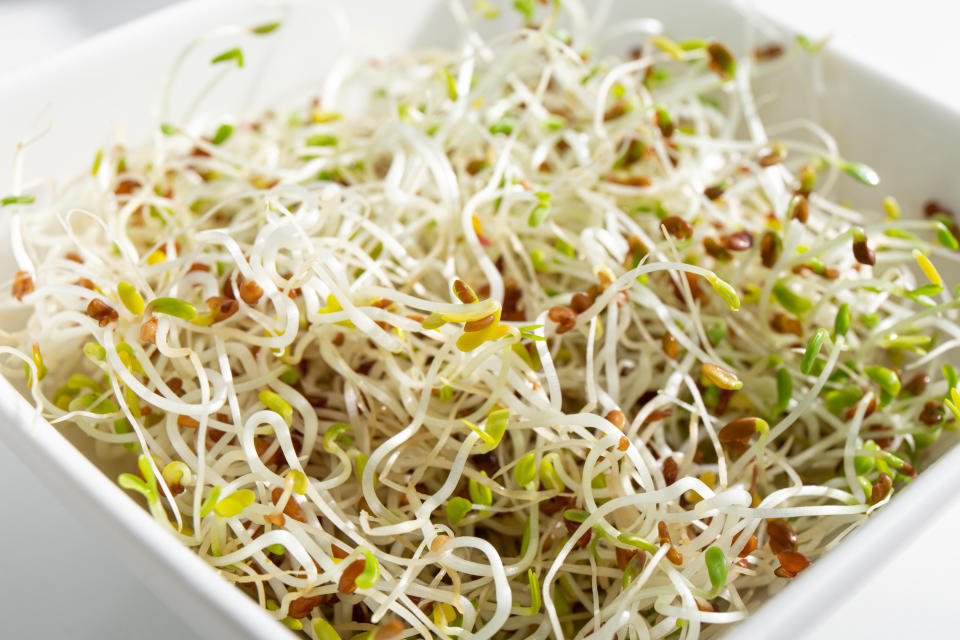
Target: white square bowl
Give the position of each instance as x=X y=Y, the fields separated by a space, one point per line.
x=110 y=86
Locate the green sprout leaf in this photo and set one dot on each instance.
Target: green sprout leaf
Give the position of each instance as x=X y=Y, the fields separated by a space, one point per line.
x=637 y=542
x=863 y=465
x=812 y=46
x=539 y=260
x=525 y=7
x=94 y=351
x=232 y=55
x=457 y=508
x=950 y=375
x=535 y=601
x=292 y=624
x=900 y=234
x=334 y=434
x=480 y=493
x=548 y=474
x=494 y=428
x=554 y=122
x=791 y=301
x=146 y=487
x=812 y=350
x=842 y=322
x=893 y=460
x=97 y=161
x=223 y=133
x=525 y=471
x=451 y=83
x=527 y=332
x=716 y=567
x=173 y=307
x=525 y=538
x=324 y=630
x=946 y=237
x=891 y=207
x=371 y=571
x=11 y=200
x=840 y=399
x=277 y=404
x=925 y=290
x=321 y=140
x=290 y=376
x=564 y=247
x=502 y=126
x=693 y=44
x=915 y=343
x=78 y=382
x=129 y=359
x=575 y=515
x=717 y=332
x=725 y=291
x=133 y=483
x=860 y=172
x=886 y=378
x=540 y=212
x=209 y=501
x=784 y=390
x=264 y=29
x=668 y=46
x=954 y=409
x=538 y=215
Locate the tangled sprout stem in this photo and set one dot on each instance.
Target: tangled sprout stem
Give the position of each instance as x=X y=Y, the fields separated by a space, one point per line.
x=527 y=344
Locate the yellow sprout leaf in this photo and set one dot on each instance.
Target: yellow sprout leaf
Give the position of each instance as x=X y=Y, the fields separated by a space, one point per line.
x=300 y=482
x=472 y=340
x=333 y=306
x=668 y=46
x=234 y=504
x=928 y=269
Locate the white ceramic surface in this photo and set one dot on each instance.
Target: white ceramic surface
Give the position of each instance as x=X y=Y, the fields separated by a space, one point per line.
x=867 y=109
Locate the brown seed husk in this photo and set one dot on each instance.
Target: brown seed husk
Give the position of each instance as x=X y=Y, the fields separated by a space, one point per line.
x=348 y=579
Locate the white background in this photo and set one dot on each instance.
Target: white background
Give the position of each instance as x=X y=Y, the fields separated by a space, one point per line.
x=56 y=579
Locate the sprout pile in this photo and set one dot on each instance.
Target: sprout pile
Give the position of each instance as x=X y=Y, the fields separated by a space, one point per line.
x=530 y=343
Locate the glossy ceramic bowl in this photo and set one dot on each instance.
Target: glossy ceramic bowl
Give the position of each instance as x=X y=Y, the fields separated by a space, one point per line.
x=108 y=89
